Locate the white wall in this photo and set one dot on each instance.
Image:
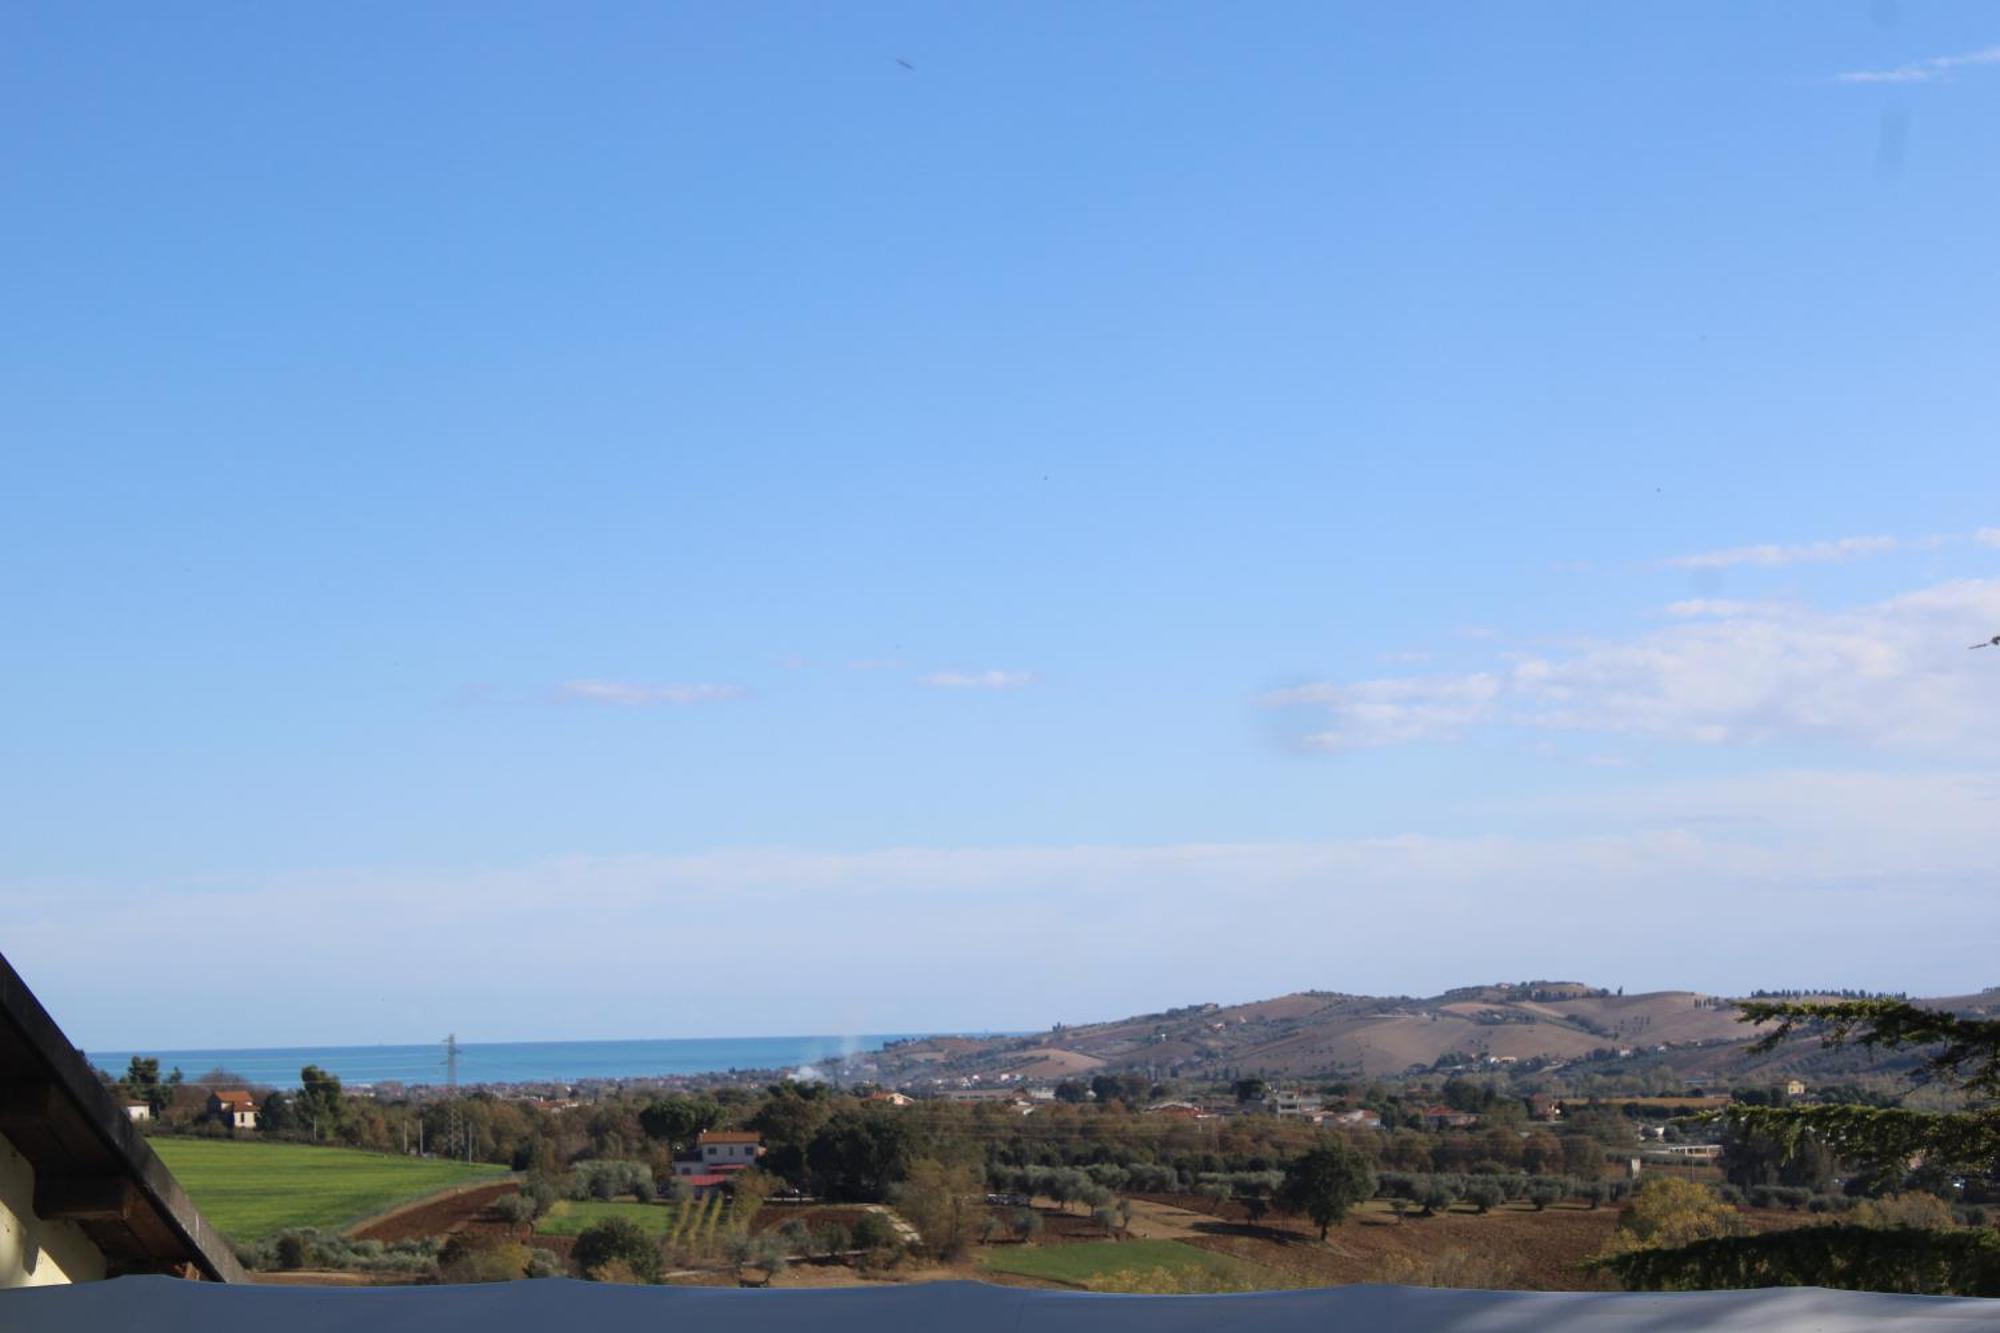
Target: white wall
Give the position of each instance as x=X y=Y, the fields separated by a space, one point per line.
x=34 y=1253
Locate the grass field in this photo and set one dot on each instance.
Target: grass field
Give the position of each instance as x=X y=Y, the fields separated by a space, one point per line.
x=247 y=1190
x=569 y=1217
x=1086 y=1261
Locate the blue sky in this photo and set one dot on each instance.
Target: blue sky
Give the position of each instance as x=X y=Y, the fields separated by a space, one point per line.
x=516 y=518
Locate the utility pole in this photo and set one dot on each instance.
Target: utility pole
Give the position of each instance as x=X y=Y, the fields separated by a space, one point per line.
x=451 y=1079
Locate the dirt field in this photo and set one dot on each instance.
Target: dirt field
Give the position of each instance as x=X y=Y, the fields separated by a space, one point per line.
x=471 y=1210
x=1509 y=1248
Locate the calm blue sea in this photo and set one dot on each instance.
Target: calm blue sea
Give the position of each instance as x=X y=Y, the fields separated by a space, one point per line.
x=509 y=1061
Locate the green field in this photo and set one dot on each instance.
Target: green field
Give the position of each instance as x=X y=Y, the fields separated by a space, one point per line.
x=1085 y=1261
x=247 y=1189
x=569 y=1217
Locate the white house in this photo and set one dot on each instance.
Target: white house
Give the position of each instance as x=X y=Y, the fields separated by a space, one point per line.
x=718 y=1151
x=234 y=1107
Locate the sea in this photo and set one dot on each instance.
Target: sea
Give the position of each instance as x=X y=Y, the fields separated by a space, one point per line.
x=509 y=1061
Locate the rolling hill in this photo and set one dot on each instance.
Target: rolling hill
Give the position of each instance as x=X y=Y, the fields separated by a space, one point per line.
x=1323 y=1033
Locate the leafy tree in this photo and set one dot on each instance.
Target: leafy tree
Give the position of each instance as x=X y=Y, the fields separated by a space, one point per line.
x=1484 y=1193
x=747 y=1193
x=1326 y=1183
x=142 y=1083
x=1128 y=1088
x=1750 y=1159
x=859 y=1156
x=616 y=1241
x=1027 y=1224
x=275 y=1115
x=677 y=1118
x=1880 y=1139
x=943 y=1203
x=320 y=1105
x=1582 y=1156
x=1965 y=1051
x=1437 y=1196
x=1668 y=1211
x=789 y=1122
x=1073 y=1091
x=1249 y=1089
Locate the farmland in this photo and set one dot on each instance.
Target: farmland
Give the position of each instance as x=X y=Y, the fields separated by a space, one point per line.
x=249 y=1190
x=1086 y=1263
x=682 y=1224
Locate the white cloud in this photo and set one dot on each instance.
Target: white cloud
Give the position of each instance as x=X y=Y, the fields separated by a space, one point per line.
x=1709 y=606
x=636 y=694
x=1391 y=711
x=1987 y=536
x=991 y=679
x=1628 y=890
x=1843 y=549
x=1923 y=71
x=1890 y=674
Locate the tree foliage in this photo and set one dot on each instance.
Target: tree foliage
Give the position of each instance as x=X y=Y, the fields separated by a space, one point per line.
x=607 y=1250
x=1893 y=1257
x=1669 y=1212
x=1900 y=1259
x=945 y=1203
x=1326 y=1183
x=1964 y=1051
x=677 y=1118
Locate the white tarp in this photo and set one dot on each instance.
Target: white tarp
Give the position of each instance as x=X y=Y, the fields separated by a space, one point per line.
x=168 y=1305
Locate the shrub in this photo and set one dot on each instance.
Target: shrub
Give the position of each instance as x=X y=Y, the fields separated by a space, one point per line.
x=873 y=1232
x=1484 y=1194
x=608 y=1178
x=293 y=1250
x=516 y=1208
x=472 y=1258
x=540 y=1192
x=616 y=1241
x=1904 y=1210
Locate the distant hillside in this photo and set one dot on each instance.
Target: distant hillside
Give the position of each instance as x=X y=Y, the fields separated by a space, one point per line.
x=1540 y=1025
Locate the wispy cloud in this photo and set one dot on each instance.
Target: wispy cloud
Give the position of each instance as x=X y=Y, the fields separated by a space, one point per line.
x=1923 y=71
x=1819 y=858
x=990 y=679
x=1709 y=606
x=1770 y=556
x=1889 y=674
x=633 y=694
x=1393 y=711
x=1987 y=536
